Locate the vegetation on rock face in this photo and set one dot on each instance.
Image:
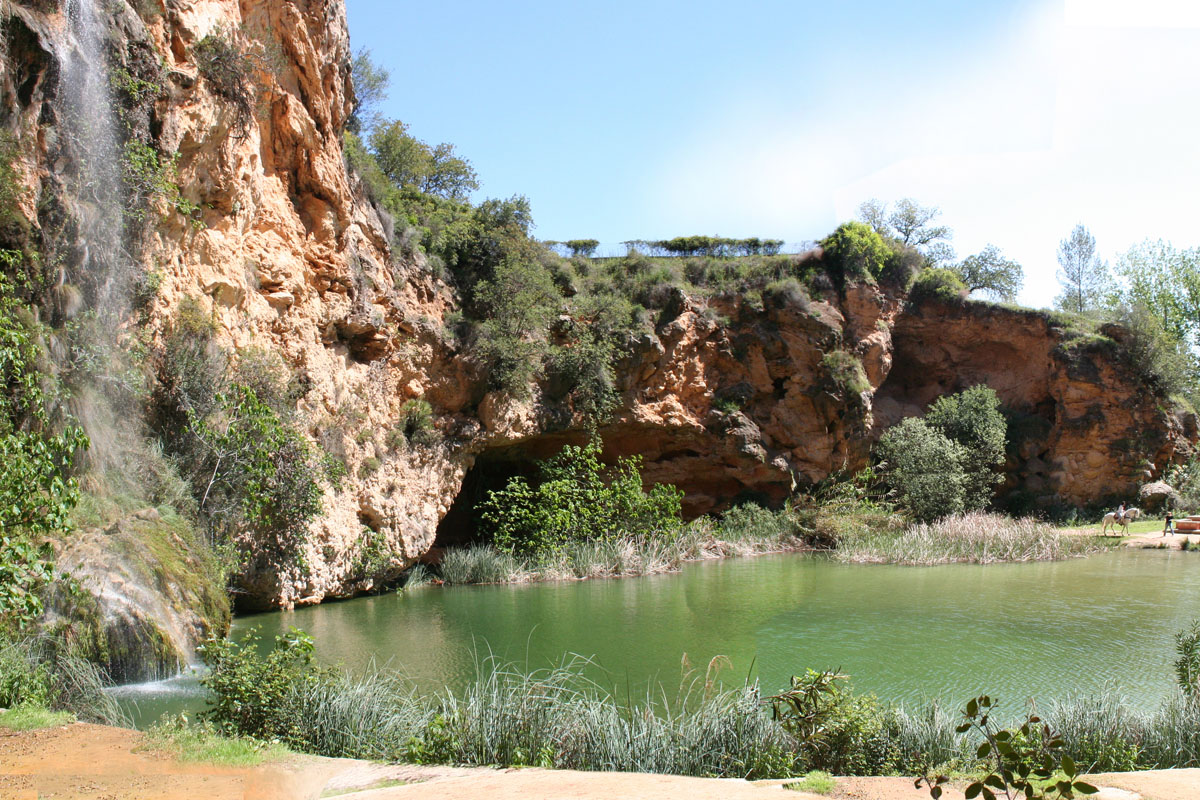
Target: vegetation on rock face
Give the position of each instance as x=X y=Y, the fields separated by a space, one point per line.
x=37 y=488
x=227 y=421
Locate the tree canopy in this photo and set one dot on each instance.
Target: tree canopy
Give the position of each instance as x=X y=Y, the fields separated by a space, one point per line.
x=1166 y=282
x=1082 y=274
x=912 y=225
x=988 y=271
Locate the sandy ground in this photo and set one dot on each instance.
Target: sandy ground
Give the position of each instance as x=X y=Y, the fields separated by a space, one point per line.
x=1141 y=540
x=92 y=762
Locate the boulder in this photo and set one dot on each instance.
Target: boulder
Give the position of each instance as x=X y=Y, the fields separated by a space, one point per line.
x=1154 y=496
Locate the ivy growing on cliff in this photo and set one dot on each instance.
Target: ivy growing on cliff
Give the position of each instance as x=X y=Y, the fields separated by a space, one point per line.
x=37 y=490
x=255 y=477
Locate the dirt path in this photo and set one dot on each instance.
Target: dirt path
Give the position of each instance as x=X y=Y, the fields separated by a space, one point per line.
x=1142 y=540
x=92 y=762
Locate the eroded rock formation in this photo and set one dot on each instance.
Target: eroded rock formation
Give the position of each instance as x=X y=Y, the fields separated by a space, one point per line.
x=722 y=398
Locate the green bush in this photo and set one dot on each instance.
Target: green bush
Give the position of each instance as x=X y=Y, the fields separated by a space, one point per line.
x=938 y=284
x=856 y=252
x=972 y=418
x=845 y=371
x=577 y=500
x=949 y=461
x=251 y=693
x=923 y=469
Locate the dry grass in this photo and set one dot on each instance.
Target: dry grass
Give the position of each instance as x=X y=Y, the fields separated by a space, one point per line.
x=977 y=538
x=744 y=531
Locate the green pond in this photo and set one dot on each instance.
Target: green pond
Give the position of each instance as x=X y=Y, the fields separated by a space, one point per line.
x=907 y=634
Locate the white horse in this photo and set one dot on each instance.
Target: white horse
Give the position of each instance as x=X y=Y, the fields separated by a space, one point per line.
x=1111 y=519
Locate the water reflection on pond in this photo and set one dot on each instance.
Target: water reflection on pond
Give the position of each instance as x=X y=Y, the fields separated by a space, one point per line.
x=905 y=633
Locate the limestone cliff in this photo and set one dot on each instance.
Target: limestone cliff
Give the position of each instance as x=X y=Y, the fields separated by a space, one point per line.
x=725 y=399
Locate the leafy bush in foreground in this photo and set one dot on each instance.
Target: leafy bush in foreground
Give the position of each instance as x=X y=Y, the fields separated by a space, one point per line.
x=37 y=489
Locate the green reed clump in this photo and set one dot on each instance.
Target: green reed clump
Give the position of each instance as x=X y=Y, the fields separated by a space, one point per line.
x=978 y=537
x=741 y=531
x=37 y=672
x=480 y=563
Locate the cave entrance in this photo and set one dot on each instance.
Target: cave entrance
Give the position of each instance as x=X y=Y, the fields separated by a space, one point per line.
x=492 y=470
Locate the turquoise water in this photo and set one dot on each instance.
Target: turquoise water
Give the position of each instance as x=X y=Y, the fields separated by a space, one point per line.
x=907 y=634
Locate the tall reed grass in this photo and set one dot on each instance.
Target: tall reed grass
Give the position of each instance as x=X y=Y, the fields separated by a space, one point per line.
x=35 y=671
x=1105 y=734
x=561 y=718
x=743 y=531
x=978 y=537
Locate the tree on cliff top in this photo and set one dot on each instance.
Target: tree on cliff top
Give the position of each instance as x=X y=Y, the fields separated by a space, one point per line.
x=370 y=89
x=1082 y=274
x=410 y=163
x=991 y=273
x=912 y=225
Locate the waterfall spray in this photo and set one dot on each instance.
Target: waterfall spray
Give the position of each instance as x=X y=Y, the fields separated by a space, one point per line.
x=91 y=125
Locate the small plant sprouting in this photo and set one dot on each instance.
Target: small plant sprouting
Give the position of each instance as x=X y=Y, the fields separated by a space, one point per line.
x=1025 y=762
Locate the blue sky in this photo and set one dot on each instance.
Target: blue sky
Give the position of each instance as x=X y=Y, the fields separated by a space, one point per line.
x=626 y=120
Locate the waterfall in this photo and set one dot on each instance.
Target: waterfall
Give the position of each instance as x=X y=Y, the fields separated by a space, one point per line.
x=92 y=127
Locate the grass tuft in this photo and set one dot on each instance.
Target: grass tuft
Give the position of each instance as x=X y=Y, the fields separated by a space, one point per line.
x=201 y=743
x=31 y=718
x=816 y=781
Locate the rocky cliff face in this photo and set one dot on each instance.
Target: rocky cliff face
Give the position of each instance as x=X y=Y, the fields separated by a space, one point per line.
x=725 y=400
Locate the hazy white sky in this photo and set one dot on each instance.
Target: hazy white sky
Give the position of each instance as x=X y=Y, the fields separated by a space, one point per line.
x=650 y=119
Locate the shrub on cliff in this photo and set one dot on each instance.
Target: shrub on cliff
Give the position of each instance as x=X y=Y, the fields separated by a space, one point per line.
x=845 y=371
x=577 y=499
x=228 y=423
x=228 y=71
x=856 y=252
x=938 y=284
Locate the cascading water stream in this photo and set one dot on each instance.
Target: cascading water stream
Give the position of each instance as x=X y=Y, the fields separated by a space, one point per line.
x=92 y=127
x=135 y=612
